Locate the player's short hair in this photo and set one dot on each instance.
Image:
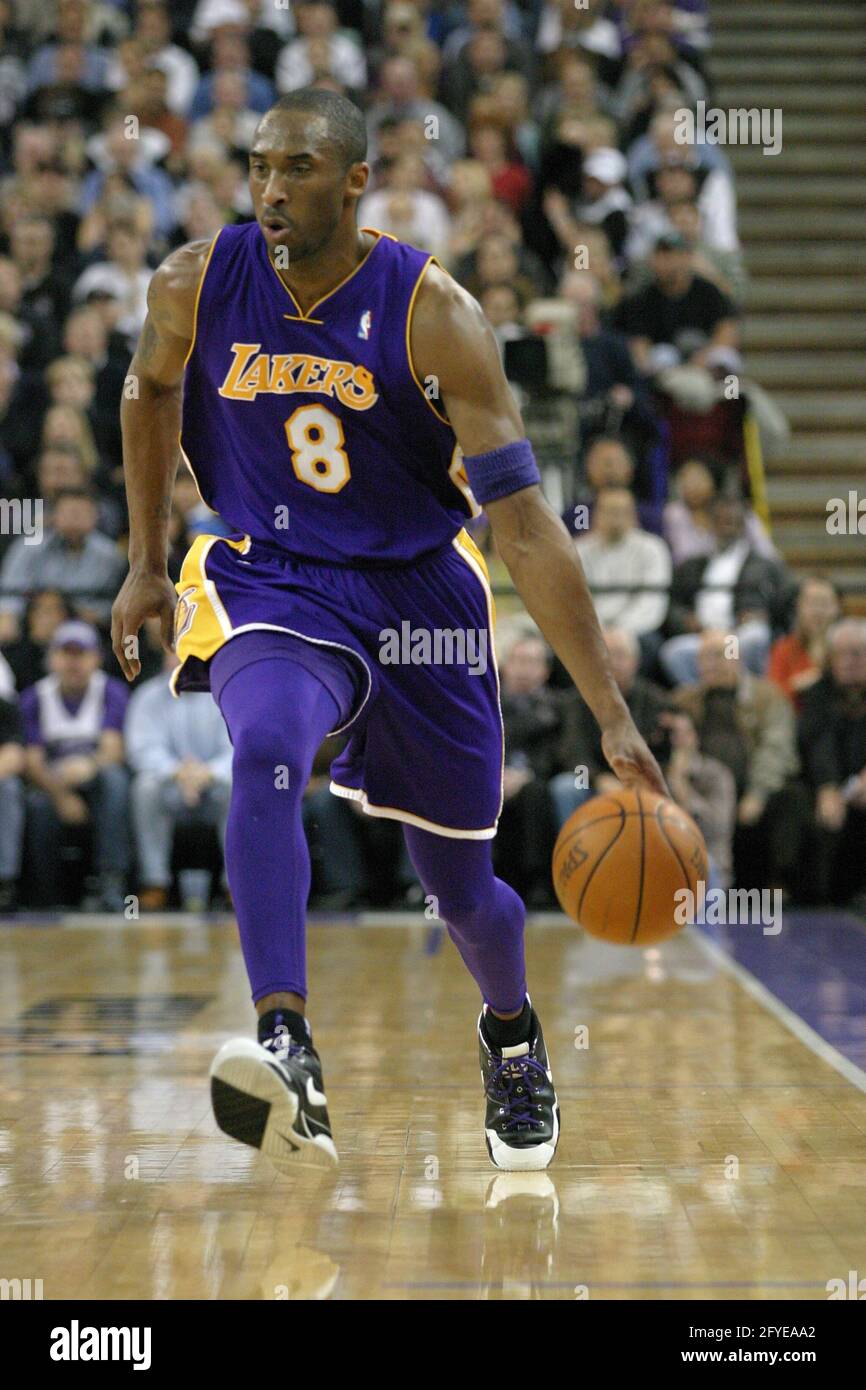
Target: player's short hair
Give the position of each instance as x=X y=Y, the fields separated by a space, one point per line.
x=347 y=130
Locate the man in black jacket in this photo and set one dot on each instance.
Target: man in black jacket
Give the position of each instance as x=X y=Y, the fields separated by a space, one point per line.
x=532 y=714
x=735 y=590
x=580 y=748
x=832 y=733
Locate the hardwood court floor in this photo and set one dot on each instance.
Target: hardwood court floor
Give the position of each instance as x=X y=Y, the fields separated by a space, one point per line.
x=706 y=1151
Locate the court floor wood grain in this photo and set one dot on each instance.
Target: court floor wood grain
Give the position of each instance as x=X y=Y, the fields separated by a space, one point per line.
x=706 y=1152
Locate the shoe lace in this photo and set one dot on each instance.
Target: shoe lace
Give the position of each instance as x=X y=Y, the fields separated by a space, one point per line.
x=513 y=1086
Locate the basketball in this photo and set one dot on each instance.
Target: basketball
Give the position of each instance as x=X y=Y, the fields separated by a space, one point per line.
x=619 y=862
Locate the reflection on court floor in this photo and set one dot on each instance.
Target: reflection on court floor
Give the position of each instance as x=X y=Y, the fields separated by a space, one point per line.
x=713 y=1143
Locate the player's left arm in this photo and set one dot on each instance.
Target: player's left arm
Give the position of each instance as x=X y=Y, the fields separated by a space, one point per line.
x=453 y=343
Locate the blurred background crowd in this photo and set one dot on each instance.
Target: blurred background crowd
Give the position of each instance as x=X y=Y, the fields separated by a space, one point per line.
x=534 y=147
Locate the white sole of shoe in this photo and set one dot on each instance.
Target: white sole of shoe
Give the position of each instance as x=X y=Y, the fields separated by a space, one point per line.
x=255 y=1103
x=529 y=1160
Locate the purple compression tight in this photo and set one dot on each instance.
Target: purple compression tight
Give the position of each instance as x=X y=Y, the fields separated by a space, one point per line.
x=280 y=697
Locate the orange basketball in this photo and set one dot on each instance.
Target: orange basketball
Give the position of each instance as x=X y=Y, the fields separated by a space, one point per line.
x=620 y=860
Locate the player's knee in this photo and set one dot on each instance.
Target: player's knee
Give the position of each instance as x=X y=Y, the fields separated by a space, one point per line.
x=270 y=746
x=473 y=908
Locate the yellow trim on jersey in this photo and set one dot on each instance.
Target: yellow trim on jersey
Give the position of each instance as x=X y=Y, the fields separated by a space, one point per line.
x=431 y=260
x=305 y=318
x=198 y=290
x=465 y=546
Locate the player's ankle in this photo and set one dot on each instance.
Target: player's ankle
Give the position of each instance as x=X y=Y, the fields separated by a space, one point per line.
x=286 y=1021
x=508 y=1032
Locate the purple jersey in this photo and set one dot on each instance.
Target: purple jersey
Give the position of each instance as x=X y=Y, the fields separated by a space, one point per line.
x=312 y=432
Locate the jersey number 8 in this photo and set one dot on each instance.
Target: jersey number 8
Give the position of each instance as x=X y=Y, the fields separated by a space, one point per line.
x=316 y=440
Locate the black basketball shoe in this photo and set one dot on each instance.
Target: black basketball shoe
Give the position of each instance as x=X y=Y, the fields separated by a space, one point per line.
x=268 y=1094
x=522 y=1121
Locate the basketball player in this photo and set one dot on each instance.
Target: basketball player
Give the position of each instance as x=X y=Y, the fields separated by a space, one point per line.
x=343 y=408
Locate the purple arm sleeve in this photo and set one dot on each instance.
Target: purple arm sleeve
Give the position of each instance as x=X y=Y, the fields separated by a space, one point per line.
x=502 y=471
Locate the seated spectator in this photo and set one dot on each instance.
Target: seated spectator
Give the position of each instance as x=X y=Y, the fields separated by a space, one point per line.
x=74 y=557
x=723 y=267
x=145 y=98
x=497 y=262
x=118 y=201
x=44 y=297
x=485 y=16
x=532 y=718
x=320 y=48
x=799 y=659
x=153 y=34
x=399 y=98
x=69 y=29
x=653 y=76
x=11 y=803
x=358 y=861
x=608 y=462
x=406 y=210
x=747 y=724
x=67 y=427
x=565 y=30
x=705 y=788
x=61 y=467
x=680 y=316
x=672 y=187
x=735 y=589
x=581 y=748
x=661 y=146
x=230 y=52
x=180 y=756
x=510 y=180
x=509 y=103
x=496 y=223
x=231 y=121
x=687 y=520
x=614 y=399
x=604 y=202
x=73 y=733
x=27 y=657
x=503 y=311
x=486 y=55
x=133 y=162
x=832 y=731
x=125 y=275
x=619 y=558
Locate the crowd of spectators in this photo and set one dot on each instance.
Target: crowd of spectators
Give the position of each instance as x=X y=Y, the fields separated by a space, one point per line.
x=533 y=146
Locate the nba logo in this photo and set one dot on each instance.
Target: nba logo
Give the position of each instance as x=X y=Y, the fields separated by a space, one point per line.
x=364 y=325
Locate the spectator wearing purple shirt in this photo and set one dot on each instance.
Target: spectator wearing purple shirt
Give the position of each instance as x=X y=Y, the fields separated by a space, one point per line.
x=73 y=732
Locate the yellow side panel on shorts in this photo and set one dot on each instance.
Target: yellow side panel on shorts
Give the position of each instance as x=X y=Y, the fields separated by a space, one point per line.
x=201 y=624
x=464 y=542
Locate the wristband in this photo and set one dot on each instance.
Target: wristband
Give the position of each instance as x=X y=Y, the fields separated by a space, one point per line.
x=501 y=471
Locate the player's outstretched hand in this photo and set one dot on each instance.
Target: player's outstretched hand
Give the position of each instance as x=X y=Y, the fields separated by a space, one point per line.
x=143 y=595
x=631 y=759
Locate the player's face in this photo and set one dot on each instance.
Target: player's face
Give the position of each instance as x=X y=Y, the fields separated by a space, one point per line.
x=298 y=184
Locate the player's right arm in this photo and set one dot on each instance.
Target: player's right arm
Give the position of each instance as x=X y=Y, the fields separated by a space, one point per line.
x=150 y=423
